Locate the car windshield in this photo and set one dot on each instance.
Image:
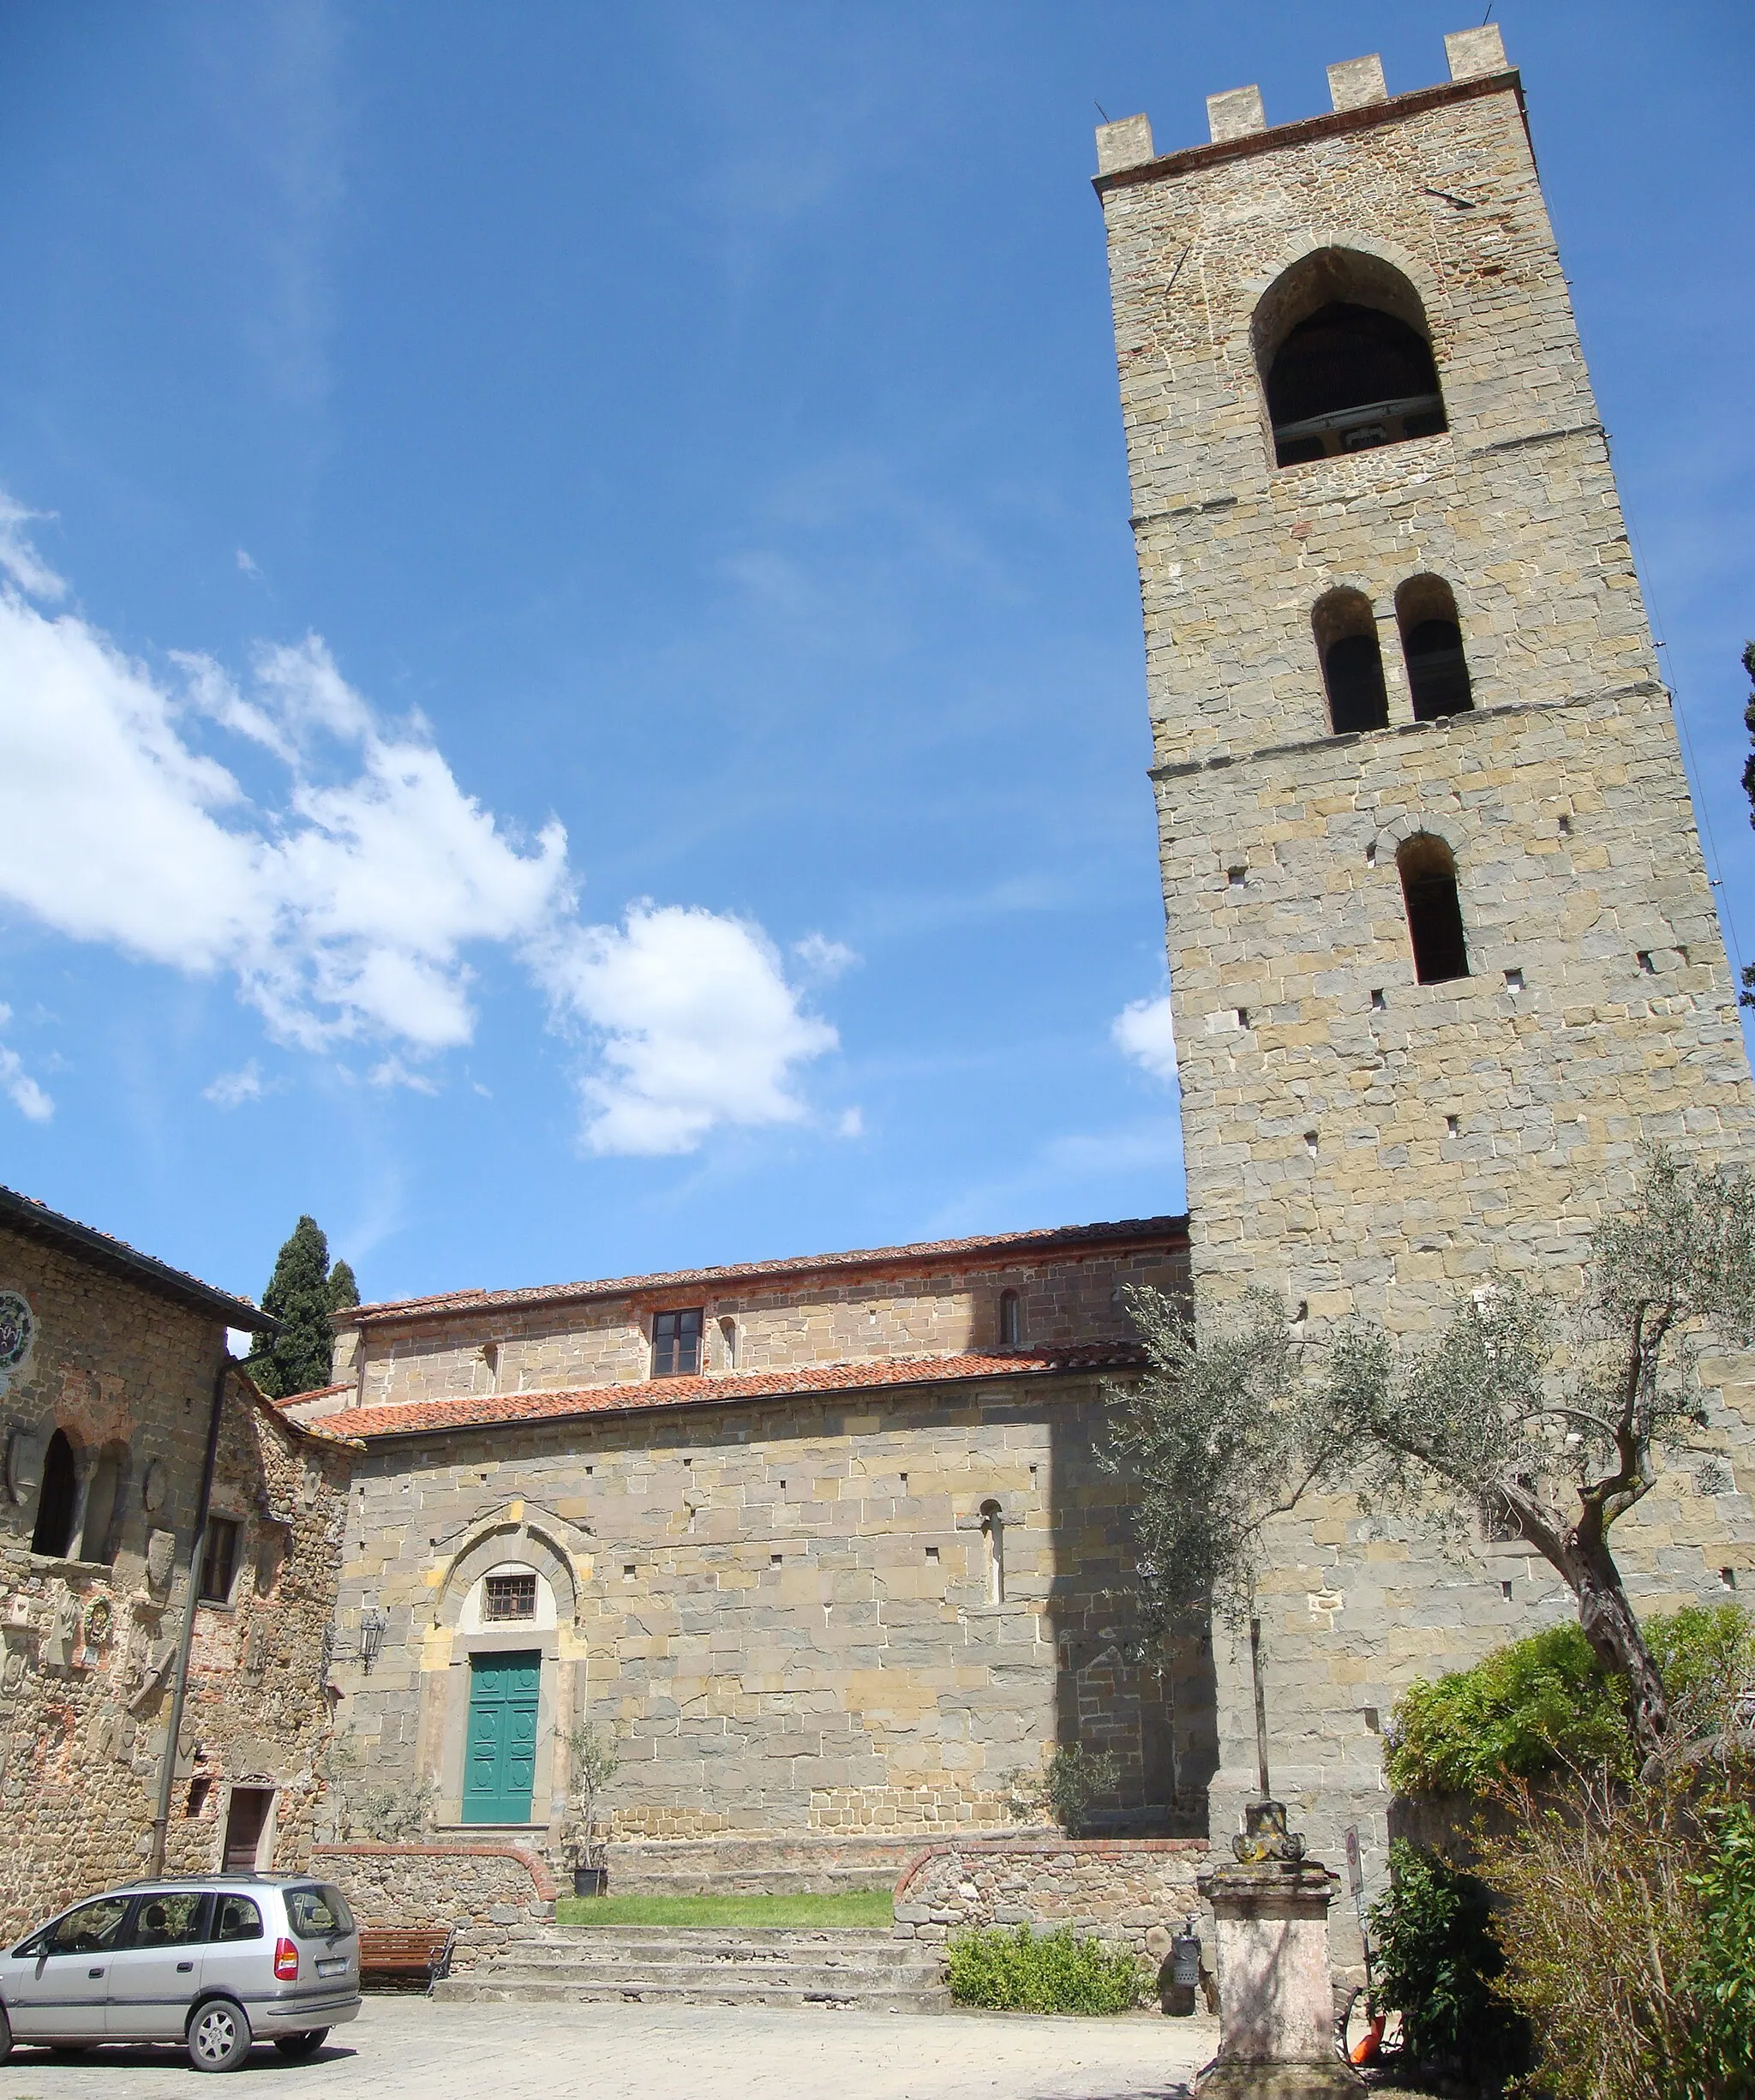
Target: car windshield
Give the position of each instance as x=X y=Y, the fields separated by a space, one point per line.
x=318 y=1913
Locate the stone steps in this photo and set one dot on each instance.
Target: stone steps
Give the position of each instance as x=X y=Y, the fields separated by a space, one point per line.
x=831 y=1965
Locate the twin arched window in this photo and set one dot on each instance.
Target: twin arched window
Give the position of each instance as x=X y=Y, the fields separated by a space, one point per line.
x=1346 y=358
x=1344 y=624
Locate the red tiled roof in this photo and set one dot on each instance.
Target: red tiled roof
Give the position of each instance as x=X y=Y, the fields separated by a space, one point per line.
x=493 y=1410
x=1070 y=1238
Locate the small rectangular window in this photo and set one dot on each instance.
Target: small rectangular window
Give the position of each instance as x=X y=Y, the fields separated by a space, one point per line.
x=510 y=1596
x=219 y=1560
x=676 y=1344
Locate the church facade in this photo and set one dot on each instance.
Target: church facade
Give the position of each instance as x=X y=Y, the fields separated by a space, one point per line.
x=823 y=1544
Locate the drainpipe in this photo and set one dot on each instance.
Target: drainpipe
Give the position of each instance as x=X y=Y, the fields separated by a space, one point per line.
x=179 y=1688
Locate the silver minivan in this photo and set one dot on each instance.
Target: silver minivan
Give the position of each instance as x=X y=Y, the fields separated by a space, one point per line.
x=215 y=1962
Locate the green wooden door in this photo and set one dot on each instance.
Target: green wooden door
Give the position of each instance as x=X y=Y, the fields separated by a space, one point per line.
x=501 y=1764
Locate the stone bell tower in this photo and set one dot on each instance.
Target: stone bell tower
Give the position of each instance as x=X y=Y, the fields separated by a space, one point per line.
x=1443 y=948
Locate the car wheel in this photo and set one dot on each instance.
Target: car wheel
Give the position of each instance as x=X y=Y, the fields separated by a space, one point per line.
x=301 y=2045
x=218 y=2036
x=5 y=2035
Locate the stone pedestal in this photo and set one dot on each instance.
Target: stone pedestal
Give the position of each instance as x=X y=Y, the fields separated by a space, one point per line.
x=1276 y=2001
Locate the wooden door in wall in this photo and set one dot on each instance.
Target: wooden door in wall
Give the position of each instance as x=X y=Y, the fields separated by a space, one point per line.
x=501 y=1762
x=245 y=1815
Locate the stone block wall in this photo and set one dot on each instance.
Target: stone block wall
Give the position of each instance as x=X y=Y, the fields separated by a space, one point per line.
x=782 y=1610
x=1131 y=1892
x=486 y=1893
x=1357 y=1141
x=529 y=1341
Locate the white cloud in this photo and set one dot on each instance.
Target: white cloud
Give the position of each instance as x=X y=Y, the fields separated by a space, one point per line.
x=825 y=958
x=1146 y=1032
x=19 y=560
x=19 y=1088
x=233 y=1090
x=343 y=904
x=343 y=912
x=393 y=1073
x=247 y=565
x=852 y=1122
x=696 y=1023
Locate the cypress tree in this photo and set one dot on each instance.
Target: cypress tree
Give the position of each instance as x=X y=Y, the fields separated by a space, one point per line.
x=302 y=1294
x=1747 y=996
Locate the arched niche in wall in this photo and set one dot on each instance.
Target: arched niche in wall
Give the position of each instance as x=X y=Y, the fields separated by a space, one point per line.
x=1344 y=357
x=536 y=1540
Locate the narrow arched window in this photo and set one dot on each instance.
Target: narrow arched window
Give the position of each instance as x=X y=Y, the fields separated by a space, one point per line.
x=1428 y=872
x=1432 y=646
x=56 y=1503
x=993 y=1540
x=1011 y=1327
x=1346 y=358
x=1352 y=665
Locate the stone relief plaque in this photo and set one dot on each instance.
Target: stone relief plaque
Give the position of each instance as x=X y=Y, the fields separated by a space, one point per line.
x=161 y=1558
x=18 y=1335
x=24 y=1464
x=154 y=1487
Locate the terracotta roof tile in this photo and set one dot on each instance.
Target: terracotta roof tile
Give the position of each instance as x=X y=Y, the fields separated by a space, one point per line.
x=495 y=1410
x=1069 y=1239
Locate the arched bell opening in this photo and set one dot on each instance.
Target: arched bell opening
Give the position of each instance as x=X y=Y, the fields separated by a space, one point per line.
x=1344 y=357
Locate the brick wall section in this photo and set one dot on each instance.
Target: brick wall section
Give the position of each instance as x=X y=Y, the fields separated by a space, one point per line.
x=1377 y=1159
x=1129 y=1892
x=87 y=1644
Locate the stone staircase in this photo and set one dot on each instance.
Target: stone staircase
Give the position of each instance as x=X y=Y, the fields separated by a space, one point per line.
x=852 y=1967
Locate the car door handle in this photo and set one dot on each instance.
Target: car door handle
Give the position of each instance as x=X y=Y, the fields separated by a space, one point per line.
x=94 y=1972
x=184 y=1967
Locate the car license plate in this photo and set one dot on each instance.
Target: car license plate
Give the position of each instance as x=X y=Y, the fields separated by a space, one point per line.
x=337 y=1967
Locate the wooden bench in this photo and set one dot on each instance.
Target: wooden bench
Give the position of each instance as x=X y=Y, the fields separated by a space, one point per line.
x=421 y=1950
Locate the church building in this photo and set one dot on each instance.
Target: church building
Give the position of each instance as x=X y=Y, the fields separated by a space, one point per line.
x=825 y=1542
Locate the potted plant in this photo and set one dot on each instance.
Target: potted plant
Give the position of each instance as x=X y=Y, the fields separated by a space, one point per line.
x=594 y=1764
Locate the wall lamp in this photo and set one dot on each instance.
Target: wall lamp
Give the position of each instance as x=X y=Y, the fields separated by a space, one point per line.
x=373 y=1622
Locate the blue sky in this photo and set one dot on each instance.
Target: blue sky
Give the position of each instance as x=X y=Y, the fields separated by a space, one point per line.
x=574 y=699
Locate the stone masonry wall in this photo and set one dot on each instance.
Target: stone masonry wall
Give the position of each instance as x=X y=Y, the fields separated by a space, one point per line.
x=1354 y=1140
x=486 y=1892
x=1131 y=1892
x=512 y=1349
x=782 y=1610
x=88 y=1642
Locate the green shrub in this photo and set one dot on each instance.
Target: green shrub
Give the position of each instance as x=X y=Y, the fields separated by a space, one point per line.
x=1026 y=1971
x=1546 y=1704
x=1436 y=1960
x=1721 y=1979
x=1629 y=1934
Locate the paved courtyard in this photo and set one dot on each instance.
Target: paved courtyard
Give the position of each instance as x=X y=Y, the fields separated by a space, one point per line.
x=407 y=2049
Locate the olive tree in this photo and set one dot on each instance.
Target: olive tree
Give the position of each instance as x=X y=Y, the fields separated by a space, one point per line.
x=1221 y=1436
x=1548 y=1417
